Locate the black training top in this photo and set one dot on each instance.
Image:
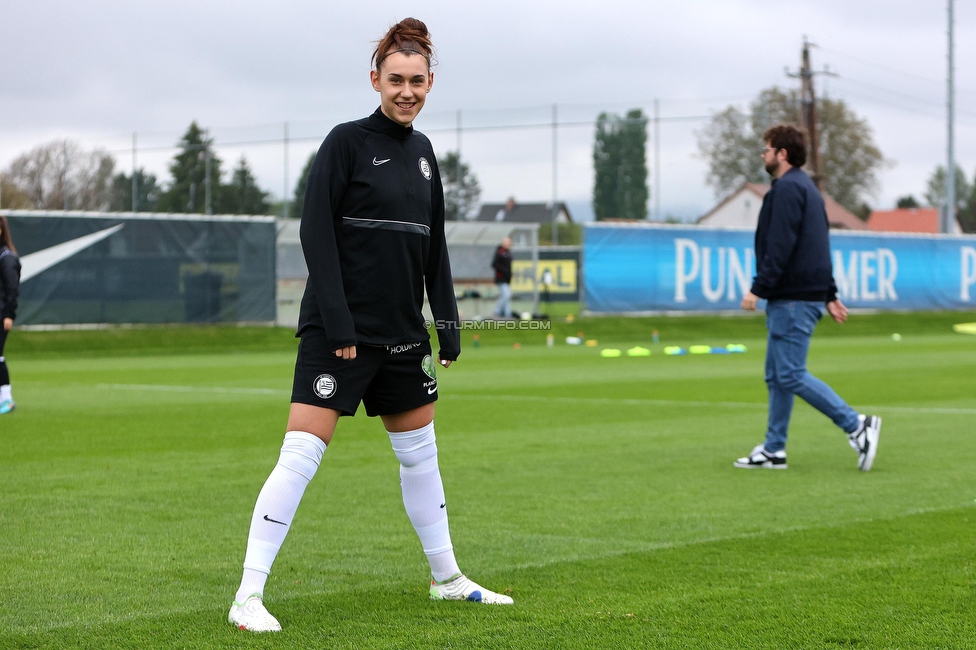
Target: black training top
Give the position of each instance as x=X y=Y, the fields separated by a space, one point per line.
x=502 y=263
x=792 y=242
x=9 y=283
x=373 y=236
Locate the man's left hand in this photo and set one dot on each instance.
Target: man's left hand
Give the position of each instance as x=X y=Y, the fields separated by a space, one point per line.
x=837 y=311
x=749 y=301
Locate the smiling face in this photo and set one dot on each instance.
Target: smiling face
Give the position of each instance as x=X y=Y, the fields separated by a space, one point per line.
x=403 y=81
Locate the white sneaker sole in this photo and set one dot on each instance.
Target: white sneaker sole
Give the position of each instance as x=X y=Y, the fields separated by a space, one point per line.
x=873 y=434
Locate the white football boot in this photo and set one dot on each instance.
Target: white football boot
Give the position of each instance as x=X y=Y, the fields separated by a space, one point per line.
x=252 y=616
x=461 y=588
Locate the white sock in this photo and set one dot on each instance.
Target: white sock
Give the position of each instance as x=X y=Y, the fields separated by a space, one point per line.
x=5 y=393
x=423 y=497
x=277 y=503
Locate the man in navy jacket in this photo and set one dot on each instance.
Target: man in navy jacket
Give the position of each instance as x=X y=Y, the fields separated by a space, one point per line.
x=795 y=276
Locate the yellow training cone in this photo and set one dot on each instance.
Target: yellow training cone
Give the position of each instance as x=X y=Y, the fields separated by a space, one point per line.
x=609 y=352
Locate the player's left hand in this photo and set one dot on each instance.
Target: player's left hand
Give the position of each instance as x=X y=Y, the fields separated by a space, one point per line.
x=7 y=324
x=446 y=363
x=837 y=311
x=749 y=301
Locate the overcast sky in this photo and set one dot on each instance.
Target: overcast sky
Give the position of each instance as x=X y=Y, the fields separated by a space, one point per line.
x=98 y=71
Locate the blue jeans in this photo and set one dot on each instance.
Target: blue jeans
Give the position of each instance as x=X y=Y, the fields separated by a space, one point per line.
x=790 y=324
x=503 y=307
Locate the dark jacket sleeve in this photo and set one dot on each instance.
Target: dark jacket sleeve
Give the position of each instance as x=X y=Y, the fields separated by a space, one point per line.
x=10 y=277
x=781 y=237
x=438 y=279
x=327 y=181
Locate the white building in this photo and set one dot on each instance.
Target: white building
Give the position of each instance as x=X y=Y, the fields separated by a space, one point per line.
x=741 y=210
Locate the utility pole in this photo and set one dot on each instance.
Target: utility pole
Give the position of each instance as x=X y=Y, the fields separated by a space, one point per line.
x=284 y=189
x=657 y=160
x=135 y=182
x=949 y=213
x=808 y=110
x=458 y=186
x=206 y=181
x=555 y=166
x=64 y=177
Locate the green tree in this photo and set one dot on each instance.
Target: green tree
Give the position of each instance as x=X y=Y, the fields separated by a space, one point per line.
x=907 y=202
x=298 y=203
x=935 y=196
x=849 y=158
x=461 y=189
x=620 y=162
x=242 y=195
x=187 y=188
x=147 y=192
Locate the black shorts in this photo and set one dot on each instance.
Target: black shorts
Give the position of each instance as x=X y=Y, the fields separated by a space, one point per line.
x=388 y=379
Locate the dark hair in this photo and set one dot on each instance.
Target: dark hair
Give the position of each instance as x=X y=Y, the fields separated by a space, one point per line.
x=791 y=138
x=5 y=238
x=409 y=36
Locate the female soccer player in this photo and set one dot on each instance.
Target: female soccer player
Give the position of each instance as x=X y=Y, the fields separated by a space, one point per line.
x=373 y=235
x=9 y=290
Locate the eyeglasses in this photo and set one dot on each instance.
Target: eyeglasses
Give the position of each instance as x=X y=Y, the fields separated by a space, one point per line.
x=765 y=149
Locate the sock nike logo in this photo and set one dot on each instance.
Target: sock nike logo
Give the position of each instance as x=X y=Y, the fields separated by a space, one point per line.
x=380 y=162
x=267 y=518
x=443 y=505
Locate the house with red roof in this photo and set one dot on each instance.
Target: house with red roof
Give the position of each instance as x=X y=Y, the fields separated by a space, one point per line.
x=924 y=220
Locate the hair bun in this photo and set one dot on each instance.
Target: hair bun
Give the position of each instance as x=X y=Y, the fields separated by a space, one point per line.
x=410 y=34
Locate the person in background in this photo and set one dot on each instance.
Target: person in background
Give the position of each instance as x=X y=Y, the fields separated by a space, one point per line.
x=795 y=276
x=502 y=263
x=502 y=214
x=9 y=291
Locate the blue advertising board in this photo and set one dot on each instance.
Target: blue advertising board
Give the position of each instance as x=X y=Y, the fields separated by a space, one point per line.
x=645 y=267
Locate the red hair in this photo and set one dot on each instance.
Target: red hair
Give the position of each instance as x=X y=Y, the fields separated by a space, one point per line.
x=5 y=238
x=409 y=36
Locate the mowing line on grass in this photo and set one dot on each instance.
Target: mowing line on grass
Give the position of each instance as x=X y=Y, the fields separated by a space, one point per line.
x=935 y=410
x=668 y=402
x=652 y=547
x=194 y=389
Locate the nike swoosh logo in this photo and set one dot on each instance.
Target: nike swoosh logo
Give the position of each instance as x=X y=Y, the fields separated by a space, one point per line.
x=431 y=391
x=443 y=505
x=267 y=518
x=379 y=162
x=42 y=260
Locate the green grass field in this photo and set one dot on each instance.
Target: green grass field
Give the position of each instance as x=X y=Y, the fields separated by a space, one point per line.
x=600 y=492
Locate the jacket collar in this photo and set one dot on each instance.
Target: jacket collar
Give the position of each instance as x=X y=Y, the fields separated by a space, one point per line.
x=382 y=123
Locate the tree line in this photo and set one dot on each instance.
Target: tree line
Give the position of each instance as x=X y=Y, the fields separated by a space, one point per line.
x=61 y=175
x=731 y=143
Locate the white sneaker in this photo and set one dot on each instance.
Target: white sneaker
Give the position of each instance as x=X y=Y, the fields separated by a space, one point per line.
x=252 y=616
x=865 y=441
x=461 y=588
x=761 y=458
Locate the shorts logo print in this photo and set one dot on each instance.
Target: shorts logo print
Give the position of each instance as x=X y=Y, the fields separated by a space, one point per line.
x=424 y=167
x=428 y=365
x=431 y=371
x=324 y=386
